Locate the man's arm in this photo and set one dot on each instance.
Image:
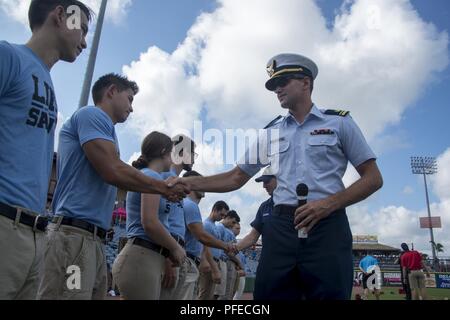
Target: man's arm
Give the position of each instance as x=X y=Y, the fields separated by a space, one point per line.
x=360 y=268
x=425 y=267
x=103 y=157
x=215 y=272
x=236 y=261
x=405 y=274
x=224 y=182
x=369 y=182
x=206 y=238
x=249 y=240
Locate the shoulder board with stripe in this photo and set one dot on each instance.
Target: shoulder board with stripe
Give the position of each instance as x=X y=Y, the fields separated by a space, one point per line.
x=273 y=122
x=341 y=113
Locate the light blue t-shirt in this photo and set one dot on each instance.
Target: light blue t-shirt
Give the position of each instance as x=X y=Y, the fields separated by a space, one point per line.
x=28 y=115
x=81 y=193
x=211 y=228
x=134 y=225
x=192 y=215
x=226 y=235
x=315 y=152
x=367 y=262
x=175 y=211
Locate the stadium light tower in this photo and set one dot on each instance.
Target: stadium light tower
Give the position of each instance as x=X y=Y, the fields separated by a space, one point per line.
x=426 y=166
x=92 y=57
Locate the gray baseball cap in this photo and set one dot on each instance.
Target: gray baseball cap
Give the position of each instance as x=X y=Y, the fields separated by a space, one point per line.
x=266 y=176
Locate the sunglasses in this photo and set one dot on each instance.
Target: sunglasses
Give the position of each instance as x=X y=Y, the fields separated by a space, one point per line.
x=283 y=81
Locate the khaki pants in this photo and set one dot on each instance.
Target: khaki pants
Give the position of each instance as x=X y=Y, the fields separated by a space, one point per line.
x=22 y=255
x=416 y=279
x=230 y=282
x=187 y=280
x=138 y=273
x=74 y=265
x=169 y=293
x=220 y=289
x=240 y=288
x=206 y=286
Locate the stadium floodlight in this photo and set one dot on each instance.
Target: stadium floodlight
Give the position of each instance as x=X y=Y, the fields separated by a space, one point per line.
x=427 y=166
x=84 y=98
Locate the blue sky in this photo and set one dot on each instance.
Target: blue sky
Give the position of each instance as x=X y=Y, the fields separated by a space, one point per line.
x=407 y=116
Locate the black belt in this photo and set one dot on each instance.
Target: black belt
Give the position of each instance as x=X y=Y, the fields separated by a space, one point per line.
x=216 y=260
x=152 y=246
x=72 y=222
x=224 y=259
x=194 y=258
x=178 y=239
x=36 y=222
x=283 y=209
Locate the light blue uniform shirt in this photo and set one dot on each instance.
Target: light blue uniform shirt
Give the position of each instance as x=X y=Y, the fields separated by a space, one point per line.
x=28 y=114
x=303 y=156
x=177 y=225
x=192 y=215
x=226 y=235
x=134 y=225
x=212 y=229
x=81 y=193
x=367 y=262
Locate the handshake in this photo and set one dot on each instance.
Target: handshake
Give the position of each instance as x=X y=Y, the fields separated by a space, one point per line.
x=177 y=189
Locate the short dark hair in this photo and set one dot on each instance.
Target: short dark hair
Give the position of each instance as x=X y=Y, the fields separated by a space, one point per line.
x=232 y=214
x=191 y=173
x=121 y=82
x=40 y=9
x=220 y=205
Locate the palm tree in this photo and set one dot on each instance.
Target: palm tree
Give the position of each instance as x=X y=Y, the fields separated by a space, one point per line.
x=438 y=247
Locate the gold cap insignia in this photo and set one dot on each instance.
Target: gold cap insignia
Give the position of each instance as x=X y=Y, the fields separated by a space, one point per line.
x=271 y=68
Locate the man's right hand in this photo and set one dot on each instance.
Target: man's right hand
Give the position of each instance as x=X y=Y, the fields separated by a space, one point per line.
x=231 y=249
x=178 y=189
x=169 y=278
x=204 y=267
x=177 y=256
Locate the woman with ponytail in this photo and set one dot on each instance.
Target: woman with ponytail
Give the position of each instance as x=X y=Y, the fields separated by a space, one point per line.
x=139 y=267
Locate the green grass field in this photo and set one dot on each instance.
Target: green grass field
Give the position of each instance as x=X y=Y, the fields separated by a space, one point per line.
x=391 y=293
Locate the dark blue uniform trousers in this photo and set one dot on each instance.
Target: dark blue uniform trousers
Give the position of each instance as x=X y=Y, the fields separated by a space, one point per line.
x=317 y=268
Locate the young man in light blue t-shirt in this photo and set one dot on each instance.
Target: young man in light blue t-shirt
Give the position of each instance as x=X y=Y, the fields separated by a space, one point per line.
x=89 y=170
x=28 y=116
x=196 y=236
x=183 y=158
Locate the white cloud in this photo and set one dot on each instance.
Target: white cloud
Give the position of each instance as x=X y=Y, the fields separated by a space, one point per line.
x=441 y=181
x=366 y=66
x=133 y=157
x=395 y=225
x=167 y=99
x=18 y=9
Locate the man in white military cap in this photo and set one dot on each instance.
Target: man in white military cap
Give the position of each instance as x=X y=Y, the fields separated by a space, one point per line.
x=312 y=147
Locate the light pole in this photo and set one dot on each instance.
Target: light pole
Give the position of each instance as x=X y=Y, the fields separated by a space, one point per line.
x=84 y=98
x=426 y=166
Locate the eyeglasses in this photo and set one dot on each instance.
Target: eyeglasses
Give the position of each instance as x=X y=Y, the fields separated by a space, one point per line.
x=283 y=81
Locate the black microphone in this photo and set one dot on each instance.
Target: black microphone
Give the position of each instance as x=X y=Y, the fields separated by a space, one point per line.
x=302 y=192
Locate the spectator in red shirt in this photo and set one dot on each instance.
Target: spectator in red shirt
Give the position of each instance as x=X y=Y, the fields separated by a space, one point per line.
x=412 y=265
